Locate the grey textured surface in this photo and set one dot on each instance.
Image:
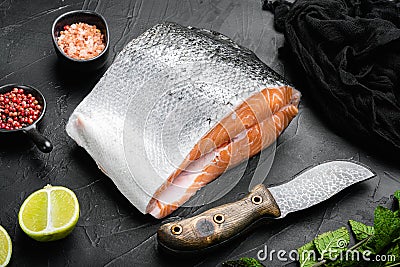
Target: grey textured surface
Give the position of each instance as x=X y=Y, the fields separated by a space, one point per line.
x=110 y=230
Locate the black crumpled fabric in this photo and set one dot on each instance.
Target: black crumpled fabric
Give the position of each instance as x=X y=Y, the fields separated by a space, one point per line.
x=349 y=51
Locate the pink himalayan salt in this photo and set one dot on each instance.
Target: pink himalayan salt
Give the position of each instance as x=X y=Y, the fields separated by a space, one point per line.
x=81 y=41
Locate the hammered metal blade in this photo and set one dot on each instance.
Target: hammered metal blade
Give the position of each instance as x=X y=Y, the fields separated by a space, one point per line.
x=317 y=184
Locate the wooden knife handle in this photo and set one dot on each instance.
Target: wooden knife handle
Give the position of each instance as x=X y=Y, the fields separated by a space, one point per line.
x=218 y=224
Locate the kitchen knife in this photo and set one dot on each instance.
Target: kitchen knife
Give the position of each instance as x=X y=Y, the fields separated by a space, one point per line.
x=219 y=224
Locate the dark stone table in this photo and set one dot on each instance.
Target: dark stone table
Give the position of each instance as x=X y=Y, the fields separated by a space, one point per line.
x=110 y=230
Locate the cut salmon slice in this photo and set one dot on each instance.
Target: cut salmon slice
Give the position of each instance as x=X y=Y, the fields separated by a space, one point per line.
x=251 y=127
x=255 y=109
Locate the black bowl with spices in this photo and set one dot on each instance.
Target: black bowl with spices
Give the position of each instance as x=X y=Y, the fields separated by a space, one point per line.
x=77 y=55
x=21 y=108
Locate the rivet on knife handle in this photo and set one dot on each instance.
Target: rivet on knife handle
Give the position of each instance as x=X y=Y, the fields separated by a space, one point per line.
x=218 y=224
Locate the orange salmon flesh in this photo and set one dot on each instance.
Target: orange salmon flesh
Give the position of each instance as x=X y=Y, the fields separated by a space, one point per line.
x=251 y=127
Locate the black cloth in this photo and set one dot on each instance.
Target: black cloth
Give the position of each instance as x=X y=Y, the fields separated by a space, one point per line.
x=349 y=52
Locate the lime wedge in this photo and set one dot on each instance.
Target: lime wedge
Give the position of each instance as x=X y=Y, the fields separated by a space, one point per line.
x=5 y=247
x=49 y=214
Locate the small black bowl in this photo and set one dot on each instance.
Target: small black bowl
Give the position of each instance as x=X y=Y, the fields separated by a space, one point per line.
x=41 y=142
x=84 y=16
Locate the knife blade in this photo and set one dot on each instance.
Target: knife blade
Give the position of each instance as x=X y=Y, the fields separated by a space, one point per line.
x=220 y=224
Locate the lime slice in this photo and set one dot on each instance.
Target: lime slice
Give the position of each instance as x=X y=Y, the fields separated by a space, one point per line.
x=49 y=214
x=5 y=247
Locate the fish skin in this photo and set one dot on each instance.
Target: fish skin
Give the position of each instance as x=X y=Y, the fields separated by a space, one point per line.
x=165 y=91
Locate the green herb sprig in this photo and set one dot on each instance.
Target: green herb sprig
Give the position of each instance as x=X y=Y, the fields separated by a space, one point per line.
x=331 y=248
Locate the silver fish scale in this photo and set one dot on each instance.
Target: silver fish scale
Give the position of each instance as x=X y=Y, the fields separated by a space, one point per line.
x=197 y=65
x=164 y=91
x=317 y=184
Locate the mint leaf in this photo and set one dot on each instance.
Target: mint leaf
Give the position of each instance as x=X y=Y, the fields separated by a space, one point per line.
x=397 y=196
x=386 y=227
x=396 y=240
x=331 y=244
x=307 y=255
x=360 y=230
x=383 y=240
x=394 y=253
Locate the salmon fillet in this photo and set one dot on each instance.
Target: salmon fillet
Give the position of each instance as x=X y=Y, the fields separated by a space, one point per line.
x=177 y=108
x=251 y=127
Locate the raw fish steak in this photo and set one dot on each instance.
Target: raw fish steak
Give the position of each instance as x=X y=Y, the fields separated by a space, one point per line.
x=177 y=108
